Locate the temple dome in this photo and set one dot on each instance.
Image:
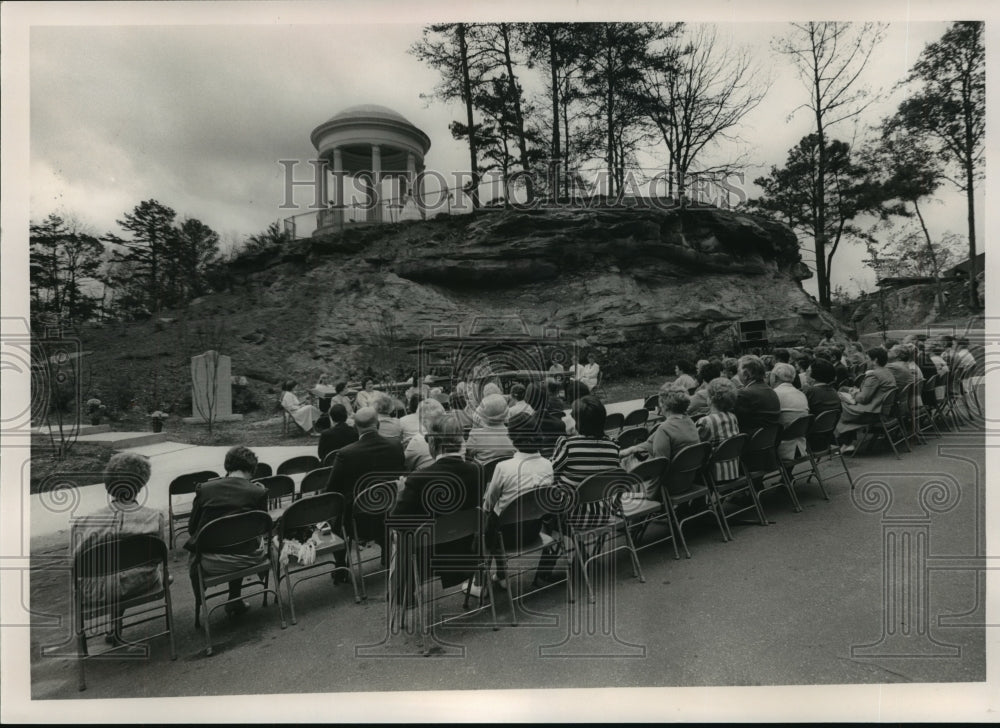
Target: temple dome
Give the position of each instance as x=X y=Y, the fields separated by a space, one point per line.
x=369 y=111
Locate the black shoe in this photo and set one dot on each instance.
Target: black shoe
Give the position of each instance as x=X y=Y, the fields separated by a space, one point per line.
x=235 y=609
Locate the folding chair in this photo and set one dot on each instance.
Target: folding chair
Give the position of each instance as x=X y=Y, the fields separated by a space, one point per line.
x=731 y=449
x=107 y=559
x=614 y=423
x=529 y=507
x=887 y=419
x=760 y=457
x=794 y=430
x=261 y=470
x=822 y=446
x=278 y=488
x=927 y=408
x=314 y=481
x=680 y=487
x=636 y=418
x=645 y=504
x=297 y=465
x=630 y=438
x=371 y=506
x=859 y=379
x=220 y=536
x=488 y=468
x=652 y=402
x=608 y=488
x=905 y=410
x=418 y=562
x=183 y=485
x=327 y=510
x=330 y=457
x=968 y=390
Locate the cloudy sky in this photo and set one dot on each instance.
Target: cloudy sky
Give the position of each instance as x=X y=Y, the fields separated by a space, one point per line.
x=195 y=108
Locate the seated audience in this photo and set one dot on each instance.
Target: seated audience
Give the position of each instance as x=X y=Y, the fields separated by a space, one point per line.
x=489 y=439
x=517 y=403
x=574 y=390
x=234 y=493
x=673 y=433
x=827 y=339
x=802 y=365
x=859 y=404
x=699 y=400
x=125 y=476
x=756 y=403
x=962 y=358
x=342 y=398
x=730 y=370
x=304 y=415
x=416 y=452
x=720 y=423
x=338 y=435
x=821 y=396
x=898 y=368
x=684 y=372
x=555 y=401
x=589 y=451
x=940 y=365
x=551 y=424
x=793 y=405
x=366 y=397
x=781 y=356
x=526 y=470
x=587 y=371
x=447 y=467
x=388 y=424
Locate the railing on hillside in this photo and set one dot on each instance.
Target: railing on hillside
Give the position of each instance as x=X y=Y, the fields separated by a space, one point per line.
x=642 y=188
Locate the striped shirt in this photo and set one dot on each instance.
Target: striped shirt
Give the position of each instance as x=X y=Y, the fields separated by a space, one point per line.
x=577 y=457
x=714 y=428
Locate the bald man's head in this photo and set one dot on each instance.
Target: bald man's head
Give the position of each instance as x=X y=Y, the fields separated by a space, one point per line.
x=366 y=420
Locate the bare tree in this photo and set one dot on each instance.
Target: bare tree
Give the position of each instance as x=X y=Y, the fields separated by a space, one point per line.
x=699 y=99
x=830 y=58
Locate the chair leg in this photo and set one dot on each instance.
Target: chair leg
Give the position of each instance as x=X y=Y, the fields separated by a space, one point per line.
x=81 y=657
x=277 y=596
x=287 y=577
x=786 y=478
x=357 y=565
x=819 y=479
x=578 y=550
x=170 y=619
x=636 y=566
x=204 y=606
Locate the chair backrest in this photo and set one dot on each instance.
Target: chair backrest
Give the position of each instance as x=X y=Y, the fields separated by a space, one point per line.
x=261 y=470
x=311 y=511
x=927 y=394
x=614 y=421
x=632 y=437
x=888 y=407
x=189 y=482
x=759 y=452
x=278 y=486
x=300 y=464
x=489 y=467
x=649 y=476
x=454 y=526
x=533 y=504
x=859 y=379
x=113 y=555
x=907 y=398
x=685 y=466
x=729 y=449
x=330 y=457
x=636 y=417
x=607 y=486
x=824 y=422
x=377 y=499
x=796 y=428
x=233 y=530
x=652 y=403
x=315 y=480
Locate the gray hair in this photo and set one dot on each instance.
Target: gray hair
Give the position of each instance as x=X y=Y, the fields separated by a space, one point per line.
x=783 y=372
x=754 y=368
x=428 y=410
x=383 y=404
x=674 y=399
x=125 y=475
x=722 y=394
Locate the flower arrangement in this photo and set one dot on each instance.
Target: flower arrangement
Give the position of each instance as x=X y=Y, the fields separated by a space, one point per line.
x=95 y=409
x=158 y=417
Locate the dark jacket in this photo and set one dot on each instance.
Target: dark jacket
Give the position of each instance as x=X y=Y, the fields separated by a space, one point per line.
x=225 y=497
x=756 y=406
x=460 y=484
x=372 y=459
x=336 y=437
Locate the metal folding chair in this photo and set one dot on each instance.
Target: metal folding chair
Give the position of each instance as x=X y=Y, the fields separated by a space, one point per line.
x=220 y=536
x=314 y=481
x=614 y=423
x=185 y=484
x=325 y=511
x=105 y=559
x=681 y=486
x=297 y=465
x=278 y=488
x=731 y=449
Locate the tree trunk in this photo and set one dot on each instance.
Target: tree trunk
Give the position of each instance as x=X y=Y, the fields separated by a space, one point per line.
x=938 y=289
x=467 y=96
x=970 y=201
x=610 y=101
x=554 y=69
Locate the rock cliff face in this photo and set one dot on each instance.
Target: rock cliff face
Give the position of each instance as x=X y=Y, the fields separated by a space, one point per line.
x=621 y=280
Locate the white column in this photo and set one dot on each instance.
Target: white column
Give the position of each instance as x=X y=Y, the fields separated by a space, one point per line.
x=338 y=186
x=376 y=189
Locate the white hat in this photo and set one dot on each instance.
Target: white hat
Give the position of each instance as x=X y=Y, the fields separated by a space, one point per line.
x=493 y=409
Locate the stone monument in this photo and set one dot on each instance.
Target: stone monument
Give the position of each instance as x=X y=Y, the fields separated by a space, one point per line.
x=211 y=388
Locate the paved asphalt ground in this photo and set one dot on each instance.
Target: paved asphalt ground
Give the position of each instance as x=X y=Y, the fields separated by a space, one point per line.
x=793 y=603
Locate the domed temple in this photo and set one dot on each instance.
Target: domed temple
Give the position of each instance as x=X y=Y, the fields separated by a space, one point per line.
x=372 y=143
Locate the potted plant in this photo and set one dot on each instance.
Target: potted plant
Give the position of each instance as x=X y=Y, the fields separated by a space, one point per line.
x=158 y=417
x=96 y=410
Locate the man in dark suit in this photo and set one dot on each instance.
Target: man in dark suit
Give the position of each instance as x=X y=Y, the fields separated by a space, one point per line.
x=372 y=459
x=756 y=403
x=339 y=435
x=227 y=496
